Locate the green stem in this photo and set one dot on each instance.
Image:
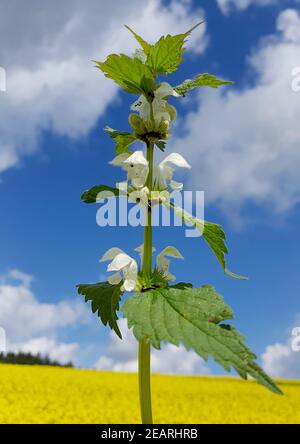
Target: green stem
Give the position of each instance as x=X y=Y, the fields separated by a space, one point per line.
x=144 y=346
x=144 y=382
x=147 y=256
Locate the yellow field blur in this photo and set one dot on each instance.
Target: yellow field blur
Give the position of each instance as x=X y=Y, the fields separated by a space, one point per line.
x=38 y=394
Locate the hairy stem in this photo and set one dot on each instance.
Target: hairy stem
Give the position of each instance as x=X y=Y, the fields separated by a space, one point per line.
x=144 y=346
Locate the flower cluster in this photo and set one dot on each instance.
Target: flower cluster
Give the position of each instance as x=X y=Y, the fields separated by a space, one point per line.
x=126 y=267
x=137 y=168
x=154 y=115
x=153 y=118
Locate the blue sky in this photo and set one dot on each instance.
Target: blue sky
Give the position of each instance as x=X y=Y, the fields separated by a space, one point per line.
x=48 y=233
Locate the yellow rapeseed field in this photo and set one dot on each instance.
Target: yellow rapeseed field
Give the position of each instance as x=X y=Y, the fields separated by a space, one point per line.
x=36 y=394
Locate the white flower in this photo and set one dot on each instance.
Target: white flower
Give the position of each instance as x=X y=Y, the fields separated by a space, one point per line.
x=140 y=250
x=163 y=263
x=140 y=196
x=136 y=166
x=137 y=169
x=121 y=263
x=163 y=172
x=159 y=104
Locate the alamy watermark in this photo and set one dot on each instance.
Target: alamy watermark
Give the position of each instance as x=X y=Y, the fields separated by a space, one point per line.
x=168 y=209
x=2 y=79
x=296 y=79
x=295 y=342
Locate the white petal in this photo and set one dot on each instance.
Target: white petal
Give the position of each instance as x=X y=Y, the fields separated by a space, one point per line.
x=120 y=261
x=129 y=284
x=139 y=182
x=132 y=269
x=140 y=249
x=140 y=195
x=162 y=262
x=137 y=168
x=171 y=252
x=122 y=186
x=176 y=159
x=145 y=111
x=160 y=174
x=176 y=186
x=114 y=279
x=111 y=254
x=120 y=159
x=130 y=274
x=142 y=106
x=138 y=103
x=170 y=277
x=162 y=115
x=137 y=158
x=164 y=90
x=159 y=106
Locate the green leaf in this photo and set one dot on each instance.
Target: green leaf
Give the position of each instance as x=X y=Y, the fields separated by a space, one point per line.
x=122 y=138
x=105 y=300
x=212 y=233
x=166 y=55
x=146 y=46
x=192 y=317
x=199 y=81
x=161 y=144
x=148 y=86
x=182 y=285
x=128 y=72
x=91 y=195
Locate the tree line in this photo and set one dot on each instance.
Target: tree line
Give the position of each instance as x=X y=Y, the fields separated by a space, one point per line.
x=30 y=359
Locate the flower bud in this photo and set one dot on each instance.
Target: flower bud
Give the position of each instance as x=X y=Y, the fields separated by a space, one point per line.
x=137 y=124
x=164 y=128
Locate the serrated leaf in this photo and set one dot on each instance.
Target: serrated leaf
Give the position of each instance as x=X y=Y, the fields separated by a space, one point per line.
x=192 y=317
x=126 y=71
x=199 y=81
x=105 y=300
x=146 y=46
x=166 y=55
x=122 y=139
x=212 y=233
x=91 y=195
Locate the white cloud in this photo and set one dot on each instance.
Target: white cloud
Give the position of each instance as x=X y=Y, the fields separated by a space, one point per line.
x=281 y=361
x=23 y=316
x=31 y=325
x=244 y=145
x=121 y=356
x=17 y=275
x=289 y=24
x=51 y=81
x=57 y=351
x=227 y=6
